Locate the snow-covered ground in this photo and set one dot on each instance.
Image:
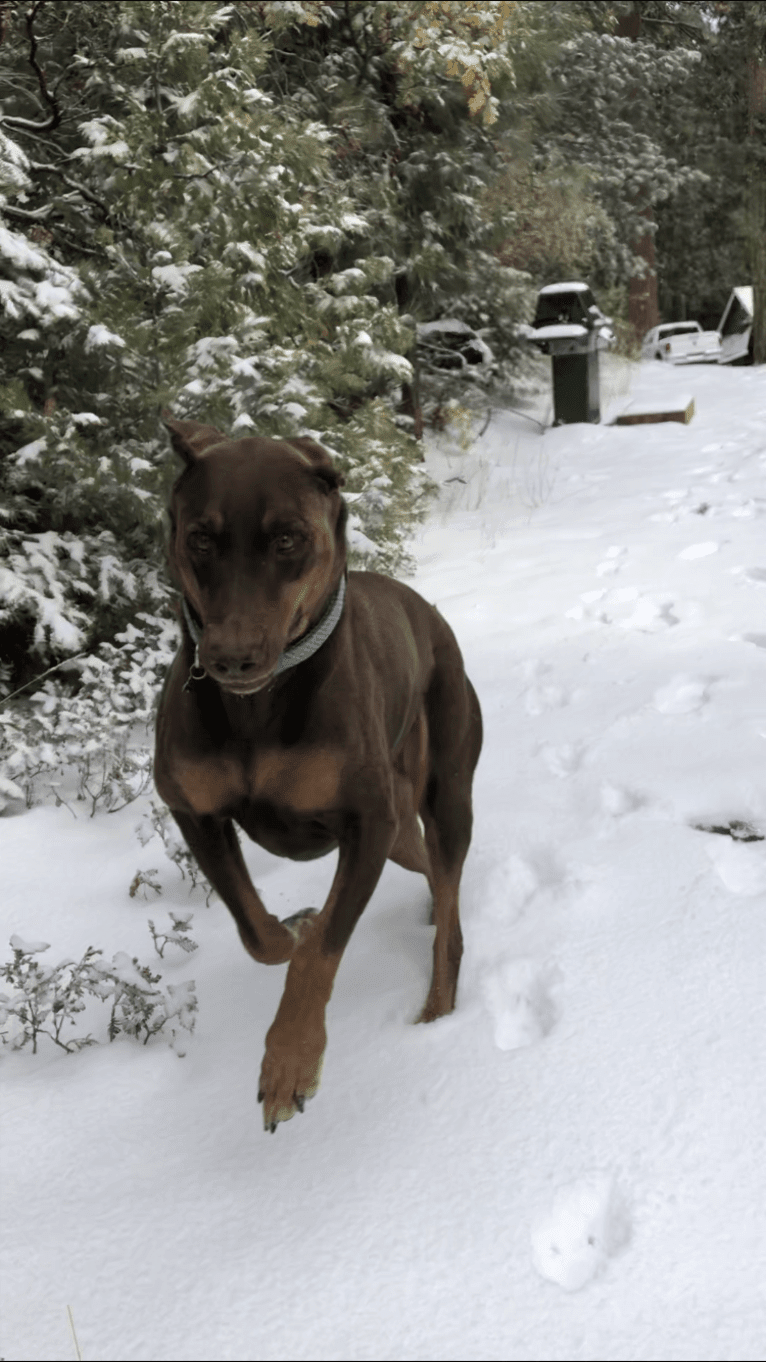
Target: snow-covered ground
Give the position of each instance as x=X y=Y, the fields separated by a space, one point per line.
x=572 y=1165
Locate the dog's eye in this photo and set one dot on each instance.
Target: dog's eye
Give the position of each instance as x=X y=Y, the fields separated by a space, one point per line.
x=200 y=543
x=285 y=543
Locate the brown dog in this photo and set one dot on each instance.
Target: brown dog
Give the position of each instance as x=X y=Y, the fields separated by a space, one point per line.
x=317 y=709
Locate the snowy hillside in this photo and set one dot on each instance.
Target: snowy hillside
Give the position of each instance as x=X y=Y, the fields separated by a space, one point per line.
x=572 y=1165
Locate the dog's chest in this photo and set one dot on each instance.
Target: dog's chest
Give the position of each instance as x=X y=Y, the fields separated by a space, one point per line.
x=303 y=780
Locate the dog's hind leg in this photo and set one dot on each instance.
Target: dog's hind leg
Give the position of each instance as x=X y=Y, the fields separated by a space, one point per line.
x=455 y=742
x=410 y=775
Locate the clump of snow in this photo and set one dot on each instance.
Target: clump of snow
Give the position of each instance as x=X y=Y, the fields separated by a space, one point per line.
x=584 y=1226
x=29 y=452
x=99 y=337
x=741 y=868
x=29 y=947
x=175 y=277
x=19 y=252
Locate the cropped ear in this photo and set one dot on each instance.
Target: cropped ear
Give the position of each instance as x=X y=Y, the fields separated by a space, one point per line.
x=190 y=439
x=321 y=463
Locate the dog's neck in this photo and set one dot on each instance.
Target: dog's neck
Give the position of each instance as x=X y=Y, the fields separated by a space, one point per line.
x=300 y=651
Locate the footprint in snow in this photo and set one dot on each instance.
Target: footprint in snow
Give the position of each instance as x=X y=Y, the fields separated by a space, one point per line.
x=519 y=997
x=651 y=615
x=611 y=561
x=703 y=550
x=616 y=801
x=586 y=1224
x=756 y=574
x=542 y=694
x=682 y=695
x=562 y=761
x=541 y=698
x=515 y=881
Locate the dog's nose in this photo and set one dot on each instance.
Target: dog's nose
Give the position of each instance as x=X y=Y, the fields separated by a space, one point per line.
x=232 y=667
x=234 y=654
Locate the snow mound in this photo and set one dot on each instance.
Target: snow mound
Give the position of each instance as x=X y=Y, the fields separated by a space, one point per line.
x=586 y=1224
x=741 y=867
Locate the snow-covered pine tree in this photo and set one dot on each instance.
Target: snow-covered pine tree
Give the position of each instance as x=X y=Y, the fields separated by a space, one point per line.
x=608 y=119
x=176 y=228
x=402 y=92
x=161 y=211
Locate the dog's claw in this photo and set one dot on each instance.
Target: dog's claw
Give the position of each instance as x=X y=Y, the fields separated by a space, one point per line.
x=272 y=1127
x=261 y=1094
x=300 y=1102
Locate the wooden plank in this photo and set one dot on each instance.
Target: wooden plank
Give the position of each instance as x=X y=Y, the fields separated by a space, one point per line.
x=644 y=413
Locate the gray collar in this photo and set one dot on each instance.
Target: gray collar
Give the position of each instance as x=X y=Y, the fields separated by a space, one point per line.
x=297 y=652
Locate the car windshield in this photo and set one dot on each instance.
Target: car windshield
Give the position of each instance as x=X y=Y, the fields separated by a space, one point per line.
x=679 y=329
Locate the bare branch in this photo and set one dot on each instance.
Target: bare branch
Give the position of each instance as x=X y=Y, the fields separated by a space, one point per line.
x=22 y=215
x=26 y=124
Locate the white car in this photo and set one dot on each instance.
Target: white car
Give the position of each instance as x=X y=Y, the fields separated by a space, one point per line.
x=681 y=343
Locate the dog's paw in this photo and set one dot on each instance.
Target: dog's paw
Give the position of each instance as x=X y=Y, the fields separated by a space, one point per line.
x=288 y=1081
x=275 y=943
x=296 y=922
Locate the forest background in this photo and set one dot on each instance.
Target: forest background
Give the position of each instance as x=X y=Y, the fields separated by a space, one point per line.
x=250 y=213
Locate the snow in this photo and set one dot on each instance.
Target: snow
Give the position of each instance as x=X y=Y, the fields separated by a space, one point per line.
x=573 y=1164
x=87 y=418
x=174 y=277
x=449 y=324
x=584 y=1226
x=55 y=300
x=559 y=288
x=29 y=947
x=29 y=452
x=18 y=252
x=100 y=336
x=559 y=331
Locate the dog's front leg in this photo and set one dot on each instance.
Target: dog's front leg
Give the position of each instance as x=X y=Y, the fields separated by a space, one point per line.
x=295 y=1043
x=215 y=846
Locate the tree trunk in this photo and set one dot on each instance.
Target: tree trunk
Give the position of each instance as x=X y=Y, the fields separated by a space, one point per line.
x=643 y=312
x=410 y=403
x=755 y=213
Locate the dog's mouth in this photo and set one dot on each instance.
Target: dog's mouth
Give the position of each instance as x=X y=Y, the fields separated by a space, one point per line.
x=246 y=687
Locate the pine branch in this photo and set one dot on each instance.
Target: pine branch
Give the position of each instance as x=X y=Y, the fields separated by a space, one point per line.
x=87 y=194
x=56 y=229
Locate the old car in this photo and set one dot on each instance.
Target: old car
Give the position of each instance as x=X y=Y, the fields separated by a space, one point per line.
x=681 y=343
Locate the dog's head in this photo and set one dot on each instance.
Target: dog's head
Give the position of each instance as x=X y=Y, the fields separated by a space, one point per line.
x=257 y=545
